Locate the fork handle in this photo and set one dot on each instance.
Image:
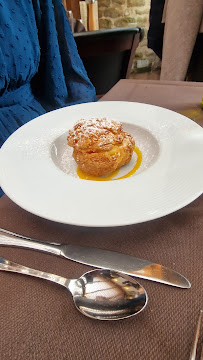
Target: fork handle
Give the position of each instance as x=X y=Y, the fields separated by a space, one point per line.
x=196 y=337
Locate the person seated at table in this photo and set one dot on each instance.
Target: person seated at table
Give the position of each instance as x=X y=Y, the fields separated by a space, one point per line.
x=40 y=69
x=177 y=43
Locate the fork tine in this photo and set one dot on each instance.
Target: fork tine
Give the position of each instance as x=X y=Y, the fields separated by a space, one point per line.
x=196 y=337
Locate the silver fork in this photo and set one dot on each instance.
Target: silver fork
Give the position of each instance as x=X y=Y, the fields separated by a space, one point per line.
x=196 y=338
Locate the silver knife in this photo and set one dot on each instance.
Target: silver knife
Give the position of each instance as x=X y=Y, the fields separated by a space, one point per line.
x=100 y=258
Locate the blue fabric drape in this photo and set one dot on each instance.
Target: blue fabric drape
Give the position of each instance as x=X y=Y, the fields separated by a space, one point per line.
x=40 y=69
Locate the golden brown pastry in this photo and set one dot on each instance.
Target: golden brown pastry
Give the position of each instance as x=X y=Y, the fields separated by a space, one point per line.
x=100 y=146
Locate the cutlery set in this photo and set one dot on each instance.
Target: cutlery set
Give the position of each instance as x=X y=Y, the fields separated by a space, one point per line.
x=107 y=293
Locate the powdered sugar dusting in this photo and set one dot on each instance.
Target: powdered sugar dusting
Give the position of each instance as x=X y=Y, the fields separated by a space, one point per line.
x=94 y=126
x=96 y=134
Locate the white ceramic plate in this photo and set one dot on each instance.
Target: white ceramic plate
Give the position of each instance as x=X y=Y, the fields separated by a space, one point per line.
x=39 y=174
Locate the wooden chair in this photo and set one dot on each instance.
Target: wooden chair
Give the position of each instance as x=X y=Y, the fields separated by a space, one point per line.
x=108 y=55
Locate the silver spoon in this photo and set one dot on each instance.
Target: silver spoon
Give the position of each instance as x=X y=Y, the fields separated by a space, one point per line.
x=99 y=294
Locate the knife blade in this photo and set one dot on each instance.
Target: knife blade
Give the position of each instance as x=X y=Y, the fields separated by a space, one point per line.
x=100 y=258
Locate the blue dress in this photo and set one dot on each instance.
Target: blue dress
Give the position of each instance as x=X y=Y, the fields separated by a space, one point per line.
x=40 y=69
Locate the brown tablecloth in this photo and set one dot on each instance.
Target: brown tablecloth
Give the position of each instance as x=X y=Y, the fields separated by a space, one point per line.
x=38 y=319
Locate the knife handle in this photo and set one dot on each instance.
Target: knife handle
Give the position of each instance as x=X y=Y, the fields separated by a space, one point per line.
x=12 y=239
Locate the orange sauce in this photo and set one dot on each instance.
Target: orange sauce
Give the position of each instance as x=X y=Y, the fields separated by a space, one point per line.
x=111 y=176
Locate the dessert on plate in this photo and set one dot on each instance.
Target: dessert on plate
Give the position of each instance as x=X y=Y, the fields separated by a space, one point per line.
x=100 y=146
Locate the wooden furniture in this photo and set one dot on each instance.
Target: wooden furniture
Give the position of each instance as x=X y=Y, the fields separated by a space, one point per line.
x=108 y=55
x=74 y=6
x=87 y=11
x=181 y=96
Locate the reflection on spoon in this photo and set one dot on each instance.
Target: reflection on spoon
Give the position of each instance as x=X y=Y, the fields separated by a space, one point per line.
x=82 y=175
x=99 y=294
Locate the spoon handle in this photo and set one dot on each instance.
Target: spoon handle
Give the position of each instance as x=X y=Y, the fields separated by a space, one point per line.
x=12 y=239
x=7 y=265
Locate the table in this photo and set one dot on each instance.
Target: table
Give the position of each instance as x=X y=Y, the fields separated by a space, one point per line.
x=38 y=319
x=181 y=96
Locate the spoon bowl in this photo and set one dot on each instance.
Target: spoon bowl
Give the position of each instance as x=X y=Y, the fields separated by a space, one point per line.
x=108 y=295
x=98 y=294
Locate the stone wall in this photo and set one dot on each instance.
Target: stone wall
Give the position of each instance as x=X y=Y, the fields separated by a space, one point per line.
x=128 y=13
